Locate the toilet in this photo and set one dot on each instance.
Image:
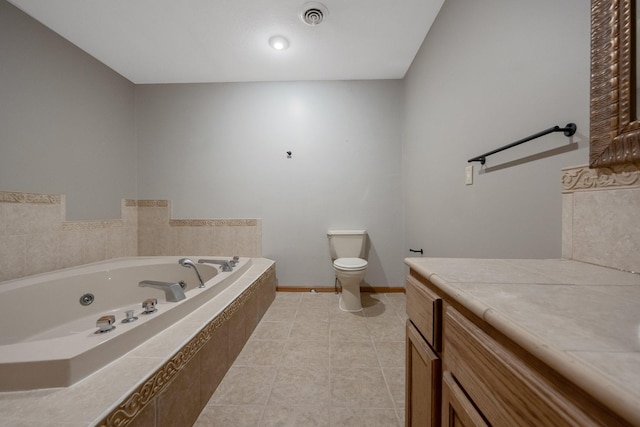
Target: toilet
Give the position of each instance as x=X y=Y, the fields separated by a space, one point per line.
x=348 y=250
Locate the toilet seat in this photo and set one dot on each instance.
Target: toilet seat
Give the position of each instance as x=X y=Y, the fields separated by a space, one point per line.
x=350 y=264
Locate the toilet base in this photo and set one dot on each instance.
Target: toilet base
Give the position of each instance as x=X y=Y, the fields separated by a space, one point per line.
x=350 y=299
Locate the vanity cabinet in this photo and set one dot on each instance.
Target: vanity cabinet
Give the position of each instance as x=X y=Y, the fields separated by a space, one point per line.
x=458 y=410
x=423 y=381
x=424 y=367
x=463 y=372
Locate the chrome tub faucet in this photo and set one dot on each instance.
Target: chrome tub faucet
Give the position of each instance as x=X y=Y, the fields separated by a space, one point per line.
x=173 y=291
x=186 y=262
x=226 y=265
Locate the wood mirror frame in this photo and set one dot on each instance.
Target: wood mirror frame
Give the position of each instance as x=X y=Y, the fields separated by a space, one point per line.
x=614 y=126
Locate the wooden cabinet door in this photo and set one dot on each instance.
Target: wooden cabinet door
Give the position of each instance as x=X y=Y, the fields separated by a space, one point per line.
x=423 y=382
x=457 y=409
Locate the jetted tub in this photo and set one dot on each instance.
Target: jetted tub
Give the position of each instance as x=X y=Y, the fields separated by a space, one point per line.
x=48 y=338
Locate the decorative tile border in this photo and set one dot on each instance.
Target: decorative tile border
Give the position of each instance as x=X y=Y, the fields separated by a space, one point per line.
x=133 y=404
x=18 y=197
x=130 y=203
x=213 y=222
x=91 y=225
x=584 y=178
x=153 y=203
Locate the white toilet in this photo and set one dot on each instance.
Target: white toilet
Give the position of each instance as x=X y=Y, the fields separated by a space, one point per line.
x=348 y=250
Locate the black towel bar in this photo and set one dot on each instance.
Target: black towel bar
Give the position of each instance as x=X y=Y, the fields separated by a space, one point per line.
x=568 y=130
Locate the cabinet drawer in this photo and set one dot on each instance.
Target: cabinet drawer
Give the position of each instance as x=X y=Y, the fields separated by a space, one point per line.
x=424 y=308
x=505 y=388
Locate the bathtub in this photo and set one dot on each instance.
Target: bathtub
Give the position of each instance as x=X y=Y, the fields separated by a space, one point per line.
x=48 y=335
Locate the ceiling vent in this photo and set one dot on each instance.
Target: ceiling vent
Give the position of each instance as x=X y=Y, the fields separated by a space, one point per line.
x=313 y=13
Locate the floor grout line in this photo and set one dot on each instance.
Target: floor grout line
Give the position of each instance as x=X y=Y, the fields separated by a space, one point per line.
x=326 y=305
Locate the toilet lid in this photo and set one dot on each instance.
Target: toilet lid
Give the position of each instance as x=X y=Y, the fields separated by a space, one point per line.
x=350 y=263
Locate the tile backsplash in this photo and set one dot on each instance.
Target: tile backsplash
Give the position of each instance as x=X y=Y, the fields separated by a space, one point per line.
x=159 y=234
x=600 y=222
x=36 y=238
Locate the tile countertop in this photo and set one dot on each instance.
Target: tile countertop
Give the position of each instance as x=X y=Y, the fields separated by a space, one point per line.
x=581 y=319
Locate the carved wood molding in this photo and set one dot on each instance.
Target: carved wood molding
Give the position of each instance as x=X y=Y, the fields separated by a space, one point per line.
x=584 y=178
x=614 y=128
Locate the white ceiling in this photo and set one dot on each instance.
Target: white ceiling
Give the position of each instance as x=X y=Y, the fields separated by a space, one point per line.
x=179 y=41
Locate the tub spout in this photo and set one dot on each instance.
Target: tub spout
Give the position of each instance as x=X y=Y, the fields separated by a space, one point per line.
x=226 y=265
x=172 y=291
x=186 y=262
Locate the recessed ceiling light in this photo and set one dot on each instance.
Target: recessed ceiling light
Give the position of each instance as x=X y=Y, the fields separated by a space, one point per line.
x=278 y=42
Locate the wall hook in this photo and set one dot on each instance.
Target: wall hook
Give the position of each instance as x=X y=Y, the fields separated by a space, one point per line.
x=288 y=154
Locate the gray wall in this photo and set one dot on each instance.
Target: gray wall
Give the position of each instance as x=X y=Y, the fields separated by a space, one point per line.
x=67 y=122
x=219 y=150
x=490 y=73
x=487 y=74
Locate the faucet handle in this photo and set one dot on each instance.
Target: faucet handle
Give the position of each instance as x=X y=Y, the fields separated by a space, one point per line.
x=235 y=260
x=130 y=317
x=149 y=305
x=105 y=323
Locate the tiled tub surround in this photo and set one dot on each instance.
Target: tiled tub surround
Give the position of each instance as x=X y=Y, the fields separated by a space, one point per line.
x=58 y=346
x=600 y=222
x=165 y=381
x=580 y=319
x=35 y=237
x=159 y=234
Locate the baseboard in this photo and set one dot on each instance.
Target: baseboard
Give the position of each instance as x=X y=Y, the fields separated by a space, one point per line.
x=370 y=289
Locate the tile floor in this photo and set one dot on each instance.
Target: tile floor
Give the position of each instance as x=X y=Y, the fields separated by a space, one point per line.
x=310 y=364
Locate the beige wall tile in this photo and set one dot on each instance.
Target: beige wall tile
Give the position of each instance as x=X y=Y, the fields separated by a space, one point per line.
x=165 y=241
x=605 y=228
x=223 y=241
x=245 y=241
x=599 y=216
x=144 y=229
x=13 y=252
x=567 y=226
x=95 y=245
x=150 y=216
x=30 y=218
x=41 y=250
x=3 y=219
x=116 y=245
x=70 y=249
x=185 y=238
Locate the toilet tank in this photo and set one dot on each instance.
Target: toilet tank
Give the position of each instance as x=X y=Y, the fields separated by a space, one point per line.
x=347 y=243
